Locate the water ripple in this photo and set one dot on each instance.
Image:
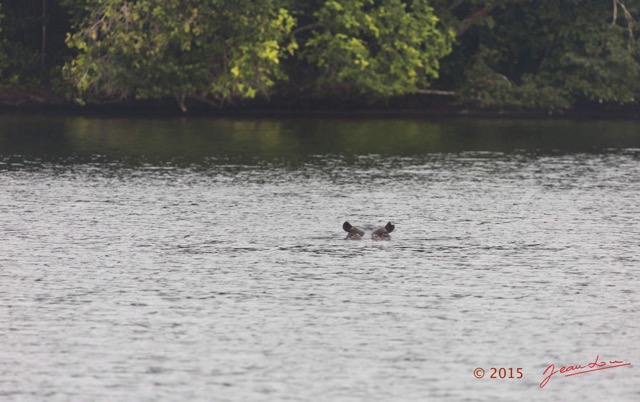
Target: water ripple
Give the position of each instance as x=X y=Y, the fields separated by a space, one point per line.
x=183 y=281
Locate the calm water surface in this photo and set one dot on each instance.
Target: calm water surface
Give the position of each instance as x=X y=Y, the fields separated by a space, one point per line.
x=146 y=260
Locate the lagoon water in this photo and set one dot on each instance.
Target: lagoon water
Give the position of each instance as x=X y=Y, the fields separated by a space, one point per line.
x=204 y=260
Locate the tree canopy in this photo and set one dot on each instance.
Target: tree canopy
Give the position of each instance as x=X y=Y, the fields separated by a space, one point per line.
x=382 y=48
x=211 y=50
x=542 y=55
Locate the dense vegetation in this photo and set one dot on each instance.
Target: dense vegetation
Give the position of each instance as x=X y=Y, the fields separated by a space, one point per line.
x=520 y=54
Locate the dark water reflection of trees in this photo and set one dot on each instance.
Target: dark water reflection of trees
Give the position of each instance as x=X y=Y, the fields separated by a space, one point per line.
x=79 y=140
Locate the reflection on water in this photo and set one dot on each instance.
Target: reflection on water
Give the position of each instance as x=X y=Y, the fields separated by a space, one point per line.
x=192 y=140
x=205 y=260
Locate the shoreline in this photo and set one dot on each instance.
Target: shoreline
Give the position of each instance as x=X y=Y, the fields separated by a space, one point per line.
x=407 y=107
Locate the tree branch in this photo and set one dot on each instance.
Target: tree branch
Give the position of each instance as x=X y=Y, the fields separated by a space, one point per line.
x=209 y=102
x=629 y=18
x=468 y=22
x=307 y=27
x=180 y=99
x=435 y=92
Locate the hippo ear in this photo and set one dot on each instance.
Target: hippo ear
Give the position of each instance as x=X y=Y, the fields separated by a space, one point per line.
x=389 y=227
x=346 y=226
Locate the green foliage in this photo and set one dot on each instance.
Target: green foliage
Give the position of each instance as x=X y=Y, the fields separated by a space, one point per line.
x=594 y=63
x=383 y=48
x=32 y=45
x=494 y=53
x=232 y=49
x=219 y=49
x=486 y=88
x=4 y=59
x=545 y=55
x=20 y=66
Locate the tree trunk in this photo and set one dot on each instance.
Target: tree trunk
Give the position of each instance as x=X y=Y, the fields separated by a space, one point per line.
x=43 y=51
x=468 y=22
x=180 y=99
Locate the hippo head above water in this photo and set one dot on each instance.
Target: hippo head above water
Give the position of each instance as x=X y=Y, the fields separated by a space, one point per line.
x=356 y=233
